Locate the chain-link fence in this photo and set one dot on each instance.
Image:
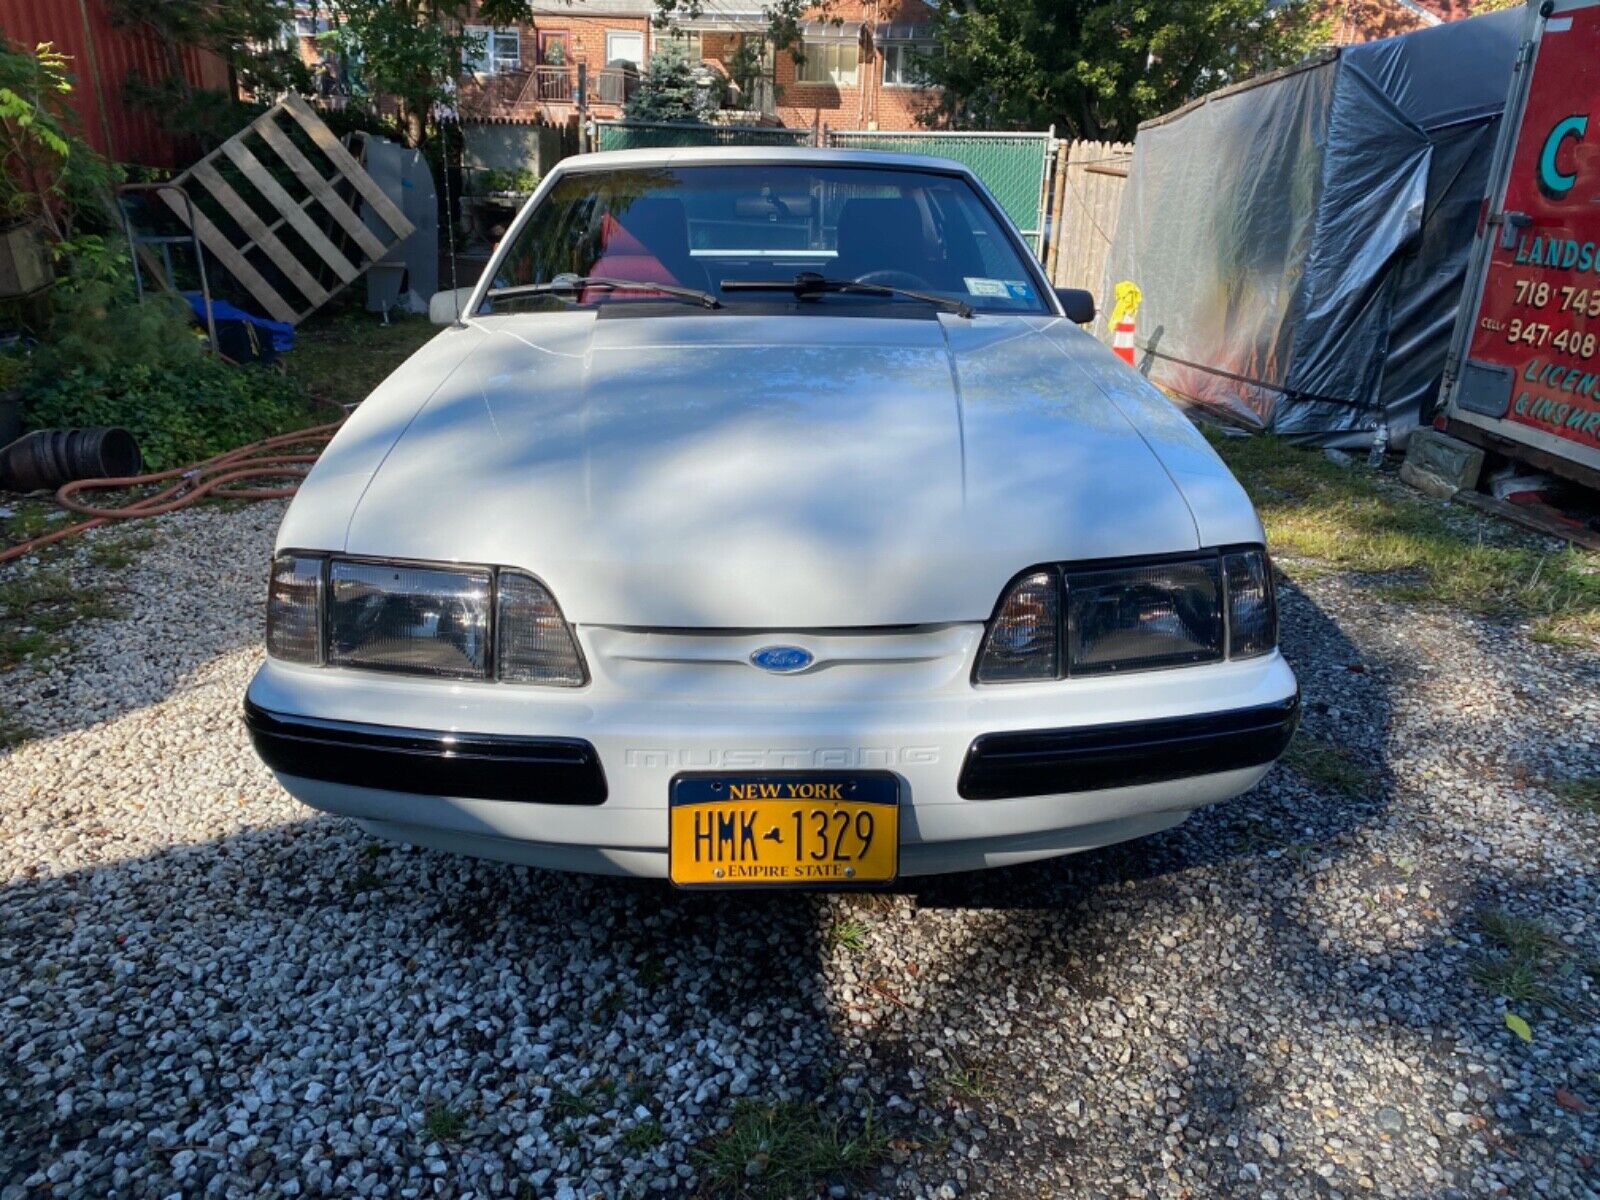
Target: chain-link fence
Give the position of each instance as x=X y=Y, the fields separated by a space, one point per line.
x=655 y=135
x=1011 y=165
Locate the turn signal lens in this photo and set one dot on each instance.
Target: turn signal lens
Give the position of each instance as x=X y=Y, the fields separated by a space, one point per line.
x=1252 y=604
x=1024 y=639
x=533 y=642
x=294 y=609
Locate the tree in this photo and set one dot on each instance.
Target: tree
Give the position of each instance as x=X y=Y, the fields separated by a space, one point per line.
x=1096 y=68
x=47 y=171
x=243 y=33
x=669 y=90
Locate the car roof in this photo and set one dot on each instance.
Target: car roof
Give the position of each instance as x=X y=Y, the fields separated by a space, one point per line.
x=799 y=155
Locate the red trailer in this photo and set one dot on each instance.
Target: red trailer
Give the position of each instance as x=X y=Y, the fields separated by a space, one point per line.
x=1523 y=377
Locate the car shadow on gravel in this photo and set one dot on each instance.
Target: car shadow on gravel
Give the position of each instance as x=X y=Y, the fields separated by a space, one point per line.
x=1221 y=1015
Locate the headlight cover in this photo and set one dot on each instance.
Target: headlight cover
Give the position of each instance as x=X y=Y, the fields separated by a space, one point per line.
x=1141 y=618
x=433 y=620
x=1131 y=616
x=415 y=620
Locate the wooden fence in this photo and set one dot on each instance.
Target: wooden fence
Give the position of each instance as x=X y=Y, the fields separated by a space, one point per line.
x=1084 y=196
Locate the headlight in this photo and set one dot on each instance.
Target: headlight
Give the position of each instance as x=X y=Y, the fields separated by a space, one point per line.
x=418 y=619
x=1137 y=616
x=1144 y=617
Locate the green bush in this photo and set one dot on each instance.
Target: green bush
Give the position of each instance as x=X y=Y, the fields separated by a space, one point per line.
x=178 y=415
x=107 y=360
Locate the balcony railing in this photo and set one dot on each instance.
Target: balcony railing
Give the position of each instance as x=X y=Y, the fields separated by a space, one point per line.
x=552 y=92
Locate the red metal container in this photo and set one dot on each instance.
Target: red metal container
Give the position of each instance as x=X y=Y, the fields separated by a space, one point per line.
x=103 y=55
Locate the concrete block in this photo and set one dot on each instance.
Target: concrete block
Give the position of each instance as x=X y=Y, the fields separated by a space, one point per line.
x=1439 y=464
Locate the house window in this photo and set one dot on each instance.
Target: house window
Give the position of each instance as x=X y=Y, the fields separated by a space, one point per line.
x=623 y=46
x=829 y=62
x=905 y=64
x=499 y=50
x=690 y=42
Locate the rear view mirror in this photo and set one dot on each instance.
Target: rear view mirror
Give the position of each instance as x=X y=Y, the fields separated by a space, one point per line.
x=449 y=306
x=1077 y=304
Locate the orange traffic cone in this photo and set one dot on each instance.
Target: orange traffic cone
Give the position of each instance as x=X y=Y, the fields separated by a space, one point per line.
x=1122 y=317
x=1122 y=340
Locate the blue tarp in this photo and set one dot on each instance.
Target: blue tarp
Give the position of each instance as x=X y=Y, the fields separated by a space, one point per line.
x=279 y=333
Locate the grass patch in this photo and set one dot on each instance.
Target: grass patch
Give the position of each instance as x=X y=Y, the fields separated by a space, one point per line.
x=1582 y=794
x=1353 y=520
x=36 y=610
x=1524 y=959
x=12 y=733
x=569 y=1105
x=968 y=1082
x=116 y=553
x=848 y=934
x=1325 y=765
x=642 y=1138
x=343 y=355
x=787 y=1149
x=442 y=1123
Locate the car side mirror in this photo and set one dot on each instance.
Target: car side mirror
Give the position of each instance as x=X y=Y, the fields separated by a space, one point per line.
x=449 y=306
x=1077 y=304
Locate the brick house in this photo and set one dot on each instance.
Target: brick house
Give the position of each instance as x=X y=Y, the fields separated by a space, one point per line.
x=1367 y=20
x=858 y=68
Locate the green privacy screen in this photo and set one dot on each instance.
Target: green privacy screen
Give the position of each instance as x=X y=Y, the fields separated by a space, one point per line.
x=1011 y=165
x=657 y=135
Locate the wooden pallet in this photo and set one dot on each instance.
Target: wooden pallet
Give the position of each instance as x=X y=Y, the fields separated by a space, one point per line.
x=335 y=245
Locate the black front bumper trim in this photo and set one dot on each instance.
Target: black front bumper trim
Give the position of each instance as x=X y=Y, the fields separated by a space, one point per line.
x=1048 y=762
x=469 y=766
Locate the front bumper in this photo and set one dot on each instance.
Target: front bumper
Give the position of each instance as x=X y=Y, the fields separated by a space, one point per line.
x=581 y=781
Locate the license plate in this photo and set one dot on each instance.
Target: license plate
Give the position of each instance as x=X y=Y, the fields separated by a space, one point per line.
x=782 y=829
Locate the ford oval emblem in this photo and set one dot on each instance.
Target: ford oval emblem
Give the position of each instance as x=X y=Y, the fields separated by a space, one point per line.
x=782 y=660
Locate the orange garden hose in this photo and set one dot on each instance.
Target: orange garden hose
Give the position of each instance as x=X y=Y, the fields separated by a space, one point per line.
x=213 y=476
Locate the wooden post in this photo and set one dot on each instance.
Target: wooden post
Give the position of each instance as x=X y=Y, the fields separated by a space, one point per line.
x=1058 y=202
x=583 y=108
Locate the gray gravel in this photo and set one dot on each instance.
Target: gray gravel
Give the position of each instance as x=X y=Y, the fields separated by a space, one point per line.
x=208 y=990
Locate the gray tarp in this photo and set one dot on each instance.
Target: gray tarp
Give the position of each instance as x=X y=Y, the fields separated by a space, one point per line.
x=1302 y=240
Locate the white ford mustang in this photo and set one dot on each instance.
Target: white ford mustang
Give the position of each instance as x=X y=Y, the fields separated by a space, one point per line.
x=767 y=520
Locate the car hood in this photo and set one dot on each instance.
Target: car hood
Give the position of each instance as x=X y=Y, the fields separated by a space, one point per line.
x=766 y=472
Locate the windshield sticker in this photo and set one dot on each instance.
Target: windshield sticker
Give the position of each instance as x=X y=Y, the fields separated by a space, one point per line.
x=1004 y=289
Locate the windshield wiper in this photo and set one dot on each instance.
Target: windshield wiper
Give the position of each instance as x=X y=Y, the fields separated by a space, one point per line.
x=808 y=285
x=577 y=283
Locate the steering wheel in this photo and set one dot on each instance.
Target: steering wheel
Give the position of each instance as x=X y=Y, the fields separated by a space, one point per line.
x=893 y=278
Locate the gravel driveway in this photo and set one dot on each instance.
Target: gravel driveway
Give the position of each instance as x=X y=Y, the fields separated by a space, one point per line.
x=210 y=990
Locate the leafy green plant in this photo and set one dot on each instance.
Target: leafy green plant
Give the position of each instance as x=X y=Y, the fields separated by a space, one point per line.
x=46 y=170
x=178 y=415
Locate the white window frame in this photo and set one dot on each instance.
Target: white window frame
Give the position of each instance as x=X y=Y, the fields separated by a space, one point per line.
x=896 y=52
x=627 y=33
x=492 y=59
x=835 y=63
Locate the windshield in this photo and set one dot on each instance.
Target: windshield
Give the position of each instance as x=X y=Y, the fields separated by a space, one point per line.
x=698 y=227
